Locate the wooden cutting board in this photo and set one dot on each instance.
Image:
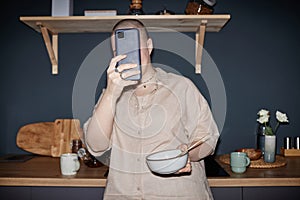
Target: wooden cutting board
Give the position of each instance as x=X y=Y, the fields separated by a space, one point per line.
x=49 y=138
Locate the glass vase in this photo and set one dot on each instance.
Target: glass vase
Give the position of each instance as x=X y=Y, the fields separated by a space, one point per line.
x=270 y=148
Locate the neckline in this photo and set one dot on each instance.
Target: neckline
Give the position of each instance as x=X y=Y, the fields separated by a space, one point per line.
x=149 y=80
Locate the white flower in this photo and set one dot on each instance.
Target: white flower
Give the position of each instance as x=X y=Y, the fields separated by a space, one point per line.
x=263 y=112
x=281 y=117
x=263 y=119
x=264 y=116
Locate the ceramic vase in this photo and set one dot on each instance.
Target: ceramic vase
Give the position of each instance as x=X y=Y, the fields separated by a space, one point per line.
x=270 y=148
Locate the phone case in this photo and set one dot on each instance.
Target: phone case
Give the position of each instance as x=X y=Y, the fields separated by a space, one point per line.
x=128 y=43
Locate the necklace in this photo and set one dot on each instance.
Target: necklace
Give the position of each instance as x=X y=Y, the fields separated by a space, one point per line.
x=148 y=80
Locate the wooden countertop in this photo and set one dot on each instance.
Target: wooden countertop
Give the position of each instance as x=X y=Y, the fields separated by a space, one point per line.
x=288 y=175
x=45 y=171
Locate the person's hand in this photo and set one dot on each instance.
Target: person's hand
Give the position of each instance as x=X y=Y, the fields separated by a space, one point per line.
x=188 y=167
x=116 y=76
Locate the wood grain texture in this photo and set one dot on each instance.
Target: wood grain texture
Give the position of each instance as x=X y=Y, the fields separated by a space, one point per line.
x=288 y=175
x=49 y=138
x=36 y=138
x=90 y=24
x=45 y=171
x=290 y=152
x=154 y=23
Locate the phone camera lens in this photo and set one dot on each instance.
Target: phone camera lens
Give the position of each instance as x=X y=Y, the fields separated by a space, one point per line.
x=120 y=35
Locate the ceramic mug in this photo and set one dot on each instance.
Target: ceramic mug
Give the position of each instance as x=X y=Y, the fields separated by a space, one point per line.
x=69 y=163
x=239 y=162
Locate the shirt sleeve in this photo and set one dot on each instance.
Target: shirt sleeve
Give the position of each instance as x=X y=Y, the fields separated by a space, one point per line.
x=198 y=118
x=85 y=129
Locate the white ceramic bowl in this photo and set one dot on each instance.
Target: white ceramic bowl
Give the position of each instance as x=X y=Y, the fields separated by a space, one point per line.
x=166 y=162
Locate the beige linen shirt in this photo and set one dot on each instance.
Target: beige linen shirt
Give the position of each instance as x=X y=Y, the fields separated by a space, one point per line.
x=173 y=114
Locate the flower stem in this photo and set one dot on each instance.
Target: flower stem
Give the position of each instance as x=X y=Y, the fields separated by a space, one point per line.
x=276 y=127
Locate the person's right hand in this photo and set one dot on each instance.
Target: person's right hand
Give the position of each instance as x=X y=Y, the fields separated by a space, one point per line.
x=116 y=79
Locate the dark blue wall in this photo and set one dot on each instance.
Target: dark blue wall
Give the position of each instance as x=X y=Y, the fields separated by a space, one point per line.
x=257 y=54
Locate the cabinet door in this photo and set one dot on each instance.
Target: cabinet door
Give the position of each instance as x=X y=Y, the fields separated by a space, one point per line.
x=13 y=193
x=274 y=193
x=232 y=193
x=64 y=193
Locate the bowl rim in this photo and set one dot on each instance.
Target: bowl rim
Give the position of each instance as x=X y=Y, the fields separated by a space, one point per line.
x=162 y=159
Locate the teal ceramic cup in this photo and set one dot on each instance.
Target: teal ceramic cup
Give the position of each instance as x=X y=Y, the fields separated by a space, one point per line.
x=239 y=162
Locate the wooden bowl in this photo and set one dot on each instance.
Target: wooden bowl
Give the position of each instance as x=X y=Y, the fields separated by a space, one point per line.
x=253 y=154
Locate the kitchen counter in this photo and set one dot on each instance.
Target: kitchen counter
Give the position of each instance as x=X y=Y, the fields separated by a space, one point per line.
x=288 y=175
x=45 y=171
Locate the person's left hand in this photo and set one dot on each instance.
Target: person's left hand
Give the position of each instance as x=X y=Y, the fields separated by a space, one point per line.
x=188 y=166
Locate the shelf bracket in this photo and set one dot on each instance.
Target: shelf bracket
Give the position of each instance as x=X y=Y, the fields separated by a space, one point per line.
x=52 y=47
x=200 y=34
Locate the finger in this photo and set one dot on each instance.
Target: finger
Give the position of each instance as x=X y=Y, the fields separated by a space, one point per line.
x=126 y=66
x=129 y=73
x=186 y=169
x=114 y=61
x=119 y=78
x=113 y=76
x=182 y=147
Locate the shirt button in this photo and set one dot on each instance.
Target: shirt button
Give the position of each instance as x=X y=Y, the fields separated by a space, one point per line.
x=138 y=159
x=138 y=188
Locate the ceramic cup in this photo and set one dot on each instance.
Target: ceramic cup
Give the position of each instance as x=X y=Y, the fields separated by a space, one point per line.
x=69 y=164
x=239 y=162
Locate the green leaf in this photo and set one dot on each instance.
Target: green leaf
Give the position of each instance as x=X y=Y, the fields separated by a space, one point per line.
x=269 y=131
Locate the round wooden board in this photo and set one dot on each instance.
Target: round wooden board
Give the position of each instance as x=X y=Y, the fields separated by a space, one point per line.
x=260 y=163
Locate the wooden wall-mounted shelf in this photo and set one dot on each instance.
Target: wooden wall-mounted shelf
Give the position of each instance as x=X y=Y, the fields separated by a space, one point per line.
x=198 y=24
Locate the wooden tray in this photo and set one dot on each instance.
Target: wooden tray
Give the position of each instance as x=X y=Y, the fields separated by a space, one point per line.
x=260 y=163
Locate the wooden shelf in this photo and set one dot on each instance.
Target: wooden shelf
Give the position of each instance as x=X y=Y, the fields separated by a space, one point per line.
x=198 y=24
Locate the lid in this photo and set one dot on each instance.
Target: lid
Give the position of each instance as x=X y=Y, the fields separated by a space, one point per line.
x=210 y=2
x=81 y=152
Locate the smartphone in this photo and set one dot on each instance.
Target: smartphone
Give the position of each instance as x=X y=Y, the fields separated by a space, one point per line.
x=128 y=43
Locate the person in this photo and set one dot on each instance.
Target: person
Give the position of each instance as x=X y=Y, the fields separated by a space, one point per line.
x=135 y=118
